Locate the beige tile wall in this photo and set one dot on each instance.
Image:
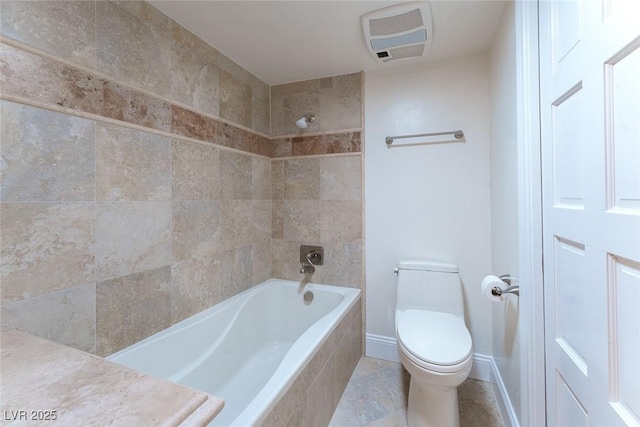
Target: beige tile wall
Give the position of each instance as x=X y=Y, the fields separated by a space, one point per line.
x=111 y=234
x=65 y=29
x=318 y=201
x=134 y=43
x=335 y=101
x=315 y=393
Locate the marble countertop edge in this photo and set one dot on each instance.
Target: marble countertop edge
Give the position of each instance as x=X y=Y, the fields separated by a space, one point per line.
x=39 y=377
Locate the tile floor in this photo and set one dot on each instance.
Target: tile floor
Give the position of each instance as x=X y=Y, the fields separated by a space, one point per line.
x=376 y=396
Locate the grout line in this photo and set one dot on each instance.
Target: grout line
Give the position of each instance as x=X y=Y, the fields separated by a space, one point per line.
x=94 y=246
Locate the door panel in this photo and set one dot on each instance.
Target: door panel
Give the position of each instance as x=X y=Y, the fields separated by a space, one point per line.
x=623 y=129
x=590 y=127
x=624 y=328
x=572 y=334
x=567 y=149
x=570 y=411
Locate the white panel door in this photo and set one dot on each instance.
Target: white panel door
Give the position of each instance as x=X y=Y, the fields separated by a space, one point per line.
x=590 y=127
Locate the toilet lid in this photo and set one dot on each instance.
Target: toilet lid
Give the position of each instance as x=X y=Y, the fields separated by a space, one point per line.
x=435 y=337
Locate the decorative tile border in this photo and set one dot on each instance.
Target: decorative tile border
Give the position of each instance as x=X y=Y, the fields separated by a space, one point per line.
x=35 y=77
x=127 y=105
x=48 y=82
x=347 y=142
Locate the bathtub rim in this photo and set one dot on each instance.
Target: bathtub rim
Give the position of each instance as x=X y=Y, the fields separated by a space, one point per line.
x=263 y=402
x=238 y=299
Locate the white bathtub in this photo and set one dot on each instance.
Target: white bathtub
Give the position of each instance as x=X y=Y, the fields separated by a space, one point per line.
x=247 y=349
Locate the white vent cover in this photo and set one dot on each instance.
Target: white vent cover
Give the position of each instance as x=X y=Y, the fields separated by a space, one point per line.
x=402 y=31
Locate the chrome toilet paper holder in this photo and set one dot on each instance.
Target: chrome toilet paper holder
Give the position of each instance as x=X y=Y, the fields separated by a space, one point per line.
x=510 y=289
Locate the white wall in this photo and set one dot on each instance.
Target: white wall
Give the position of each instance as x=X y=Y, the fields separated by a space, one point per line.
x=428 y=201
x=504 y=199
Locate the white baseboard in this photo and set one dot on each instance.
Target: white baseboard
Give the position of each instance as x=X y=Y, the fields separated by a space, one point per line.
x=484 y=369
x=380 y=347
x=386 y=348
x=504 y=402
x=481 y=369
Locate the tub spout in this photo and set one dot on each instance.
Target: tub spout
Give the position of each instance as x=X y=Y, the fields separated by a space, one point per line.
x=310 y=266
x=306 y=268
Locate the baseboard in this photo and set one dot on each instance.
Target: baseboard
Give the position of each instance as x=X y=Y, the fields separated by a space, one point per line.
x=385 y=348
x=504 y=402
x=381 y=347
x=484 y=369
x=481 y=369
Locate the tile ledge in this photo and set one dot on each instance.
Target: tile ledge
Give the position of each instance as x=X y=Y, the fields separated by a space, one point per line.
x=98 y=118
x=315 y=156
x=311 y=134
x=36 y=371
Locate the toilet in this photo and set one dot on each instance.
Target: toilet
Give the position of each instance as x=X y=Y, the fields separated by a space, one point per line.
x=433 y=340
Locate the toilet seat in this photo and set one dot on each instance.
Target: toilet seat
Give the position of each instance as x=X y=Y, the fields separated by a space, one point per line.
x=434 y=340
x=435 y=369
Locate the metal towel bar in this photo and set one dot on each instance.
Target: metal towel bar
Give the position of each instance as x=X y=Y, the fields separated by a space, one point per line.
x=458 y=134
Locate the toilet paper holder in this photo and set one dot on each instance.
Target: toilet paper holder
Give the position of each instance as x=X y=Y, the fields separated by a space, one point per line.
x=510 y=289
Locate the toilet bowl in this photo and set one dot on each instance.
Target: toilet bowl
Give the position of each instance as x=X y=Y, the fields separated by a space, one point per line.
x=433 y=341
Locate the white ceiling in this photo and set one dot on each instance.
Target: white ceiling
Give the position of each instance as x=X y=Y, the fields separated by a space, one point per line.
x=287 y=41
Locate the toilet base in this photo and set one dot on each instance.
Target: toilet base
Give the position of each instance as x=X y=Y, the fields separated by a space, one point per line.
x=433 y=395
x=432 y=406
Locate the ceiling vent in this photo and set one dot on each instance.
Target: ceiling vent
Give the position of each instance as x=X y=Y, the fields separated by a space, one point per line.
x=402 y=31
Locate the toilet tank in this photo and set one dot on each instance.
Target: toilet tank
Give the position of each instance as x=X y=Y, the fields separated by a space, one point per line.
x=429 y=285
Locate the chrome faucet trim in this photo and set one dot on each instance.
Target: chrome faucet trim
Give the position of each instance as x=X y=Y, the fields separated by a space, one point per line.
x=309 y=265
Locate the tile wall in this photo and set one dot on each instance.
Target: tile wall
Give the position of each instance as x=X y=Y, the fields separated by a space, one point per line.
x=335 y=101
x=314 y=395
x=140 y=180
x=317 y=195
x=318 y=201
x=132 y=43
x=111 y=234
